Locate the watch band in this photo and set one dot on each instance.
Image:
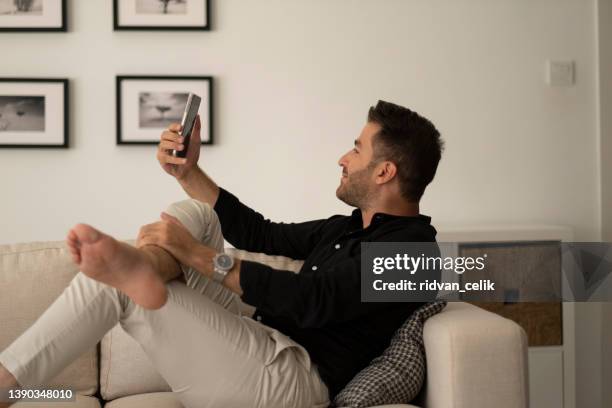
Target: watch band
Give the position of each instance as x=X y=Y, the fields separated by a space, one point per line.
x=222 y=264
x=219 y=274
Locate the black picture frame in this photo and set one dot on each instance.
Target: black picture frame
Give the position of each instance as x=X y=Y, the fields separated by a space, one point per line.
x=118 y=27
x=34 y=29
x=64 y=144
x=209 y=120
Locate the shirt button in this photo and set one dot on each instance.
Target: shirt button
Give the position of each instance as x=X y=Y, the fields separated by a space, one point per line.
x=337 y=246
x=314 y=267
x=258 y=318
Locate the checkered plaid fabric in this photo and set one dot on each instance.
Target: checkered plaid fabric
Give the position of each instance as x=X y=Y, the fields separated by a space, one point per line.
x=396 y=376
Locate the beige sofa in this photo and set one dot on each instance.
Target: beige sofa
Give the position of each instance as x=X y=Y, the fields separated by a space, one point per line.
x=474 y=358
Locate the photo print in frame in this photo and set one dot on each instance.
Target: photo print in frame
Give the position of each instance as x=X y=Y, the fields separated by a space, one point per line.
x=32 y=15
x=146 y=105
x=33 y=113
x=161 y=15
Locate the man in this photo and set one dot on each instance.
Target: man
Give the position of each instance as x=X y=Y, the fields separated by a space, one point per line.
x=311 y=333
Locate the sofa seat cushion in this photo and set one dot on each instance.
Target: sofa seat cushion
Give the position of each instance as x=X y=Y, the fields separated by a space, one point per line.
x=151 y=400
x=396 y=406
x=82 y=401
x=32 y=276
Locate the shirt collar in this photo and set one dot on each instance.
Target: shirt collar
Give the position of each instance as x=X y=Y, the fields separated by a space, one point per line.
x=379 y=218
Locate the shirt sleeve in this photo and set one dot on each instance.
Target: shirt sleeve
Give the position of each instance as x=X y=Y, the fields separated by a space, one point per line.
x=247 y=229
x=331 y=295
x=309 y=300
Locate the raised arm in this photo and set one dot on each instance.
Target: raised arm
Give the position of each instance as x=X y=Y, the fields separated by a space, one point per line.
x=185 y=170
x=242 y=227
x=247 y=229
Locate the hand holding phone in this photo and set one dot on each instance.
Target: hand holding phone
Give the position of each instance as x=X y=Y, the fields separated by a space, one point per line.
x=187 y=123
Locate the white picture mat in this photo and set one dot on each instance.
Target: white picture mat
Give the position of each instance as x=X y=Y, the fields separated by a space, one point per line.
x=130 y=92
x=195 y=16
x=51 y=17
x=54 y=112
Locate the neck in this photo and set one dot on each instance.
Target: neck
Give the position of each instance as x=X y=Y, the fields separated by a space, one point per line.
x=400 y=208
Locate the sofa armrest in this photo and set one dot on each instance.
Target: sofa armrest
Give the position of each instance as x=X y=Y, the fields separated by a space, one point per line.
x=475 y=359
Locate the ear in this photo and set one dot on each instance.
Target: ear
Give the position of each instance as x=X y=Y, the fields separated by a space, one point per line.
x=385 y=172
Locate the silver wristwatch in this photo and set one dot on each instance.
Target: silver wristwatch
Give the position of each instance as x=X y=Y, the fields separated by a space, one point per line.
x=222 y=264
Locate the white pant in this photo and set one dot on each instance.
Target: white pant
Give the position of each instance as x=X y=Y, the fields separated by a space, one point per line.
x=209 y=354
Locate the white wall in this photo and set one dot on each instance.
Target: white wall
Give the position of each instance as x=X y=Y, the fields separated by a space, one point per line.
x=605 y=113
x=294 y=81
x=605 y=97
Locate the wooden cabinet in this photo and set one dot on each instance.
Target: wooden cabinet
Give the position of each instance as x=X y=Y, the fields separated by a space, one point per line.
x=515 y=255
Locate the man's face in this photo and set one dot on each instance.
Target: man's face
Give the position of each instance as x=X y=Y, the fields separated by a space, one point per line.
x=357 y=182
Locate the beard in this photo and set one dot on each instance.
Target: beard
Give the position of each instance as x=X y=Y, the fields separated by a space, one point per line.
x=356 y=189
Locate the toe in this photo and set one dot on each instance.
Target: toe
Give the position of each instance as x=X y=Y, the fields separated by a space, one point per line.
x=72 y=239
x=86 y=233
x=73 y=243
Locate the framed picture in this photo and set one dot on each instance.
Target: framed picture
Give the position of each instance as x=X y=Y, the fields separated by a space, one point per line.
x=33 y=112
x=32 y=15
x=161 y=15
x=146 y=105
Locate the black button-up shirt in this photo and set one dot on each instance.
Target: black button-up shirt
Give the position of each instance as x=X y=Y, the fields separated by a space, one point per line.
x=321 y=308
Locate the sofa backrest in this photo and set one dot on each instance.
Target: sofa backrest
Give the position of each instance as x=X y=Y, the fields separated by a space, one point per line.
x=32 y=276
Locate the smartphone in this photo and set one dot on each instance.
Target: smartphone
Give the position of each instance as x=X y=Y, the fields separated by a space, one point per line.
x=189 y=117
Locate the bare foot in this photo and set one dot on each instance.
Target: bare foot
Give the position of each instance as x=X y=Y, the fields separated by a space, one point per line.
x=7 y=381
x=131 y=270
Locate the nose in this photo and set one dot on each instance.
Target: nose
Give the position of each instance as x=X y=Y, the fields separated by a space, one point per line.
x=343 y=160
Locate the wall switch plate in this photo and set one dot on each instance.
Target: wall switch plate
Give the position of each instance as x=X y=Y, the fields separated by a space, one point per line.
x=560 y=73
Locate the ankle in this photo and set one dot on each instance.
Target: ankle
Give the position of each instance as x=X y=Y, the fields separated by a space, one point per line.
x=162 y=262
x=151 y=254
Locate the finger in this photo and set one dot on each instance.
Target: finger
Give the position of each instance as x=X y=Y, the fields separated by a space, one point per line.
x=173 y=137
x=143 y=229
x=140 y=241
x=150 y=228
x=167 y=217
x=169 y=145
x=146 y=230
x=169 y=159
x=174 y=127
x=148 y=239
x=143 y=243
x=172 y=220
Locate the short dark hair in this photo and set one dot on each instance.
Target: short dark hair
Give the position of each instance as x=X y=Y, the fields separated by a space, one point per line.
x=411 y=142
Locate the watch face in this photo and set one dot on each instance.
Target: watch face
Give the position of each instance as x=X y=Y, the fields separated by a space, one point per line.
x=225 y=261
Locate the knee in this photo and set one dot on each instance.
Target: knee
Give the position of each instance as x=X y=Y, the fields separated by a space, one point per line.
x=195 y=215
x=191 y=209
